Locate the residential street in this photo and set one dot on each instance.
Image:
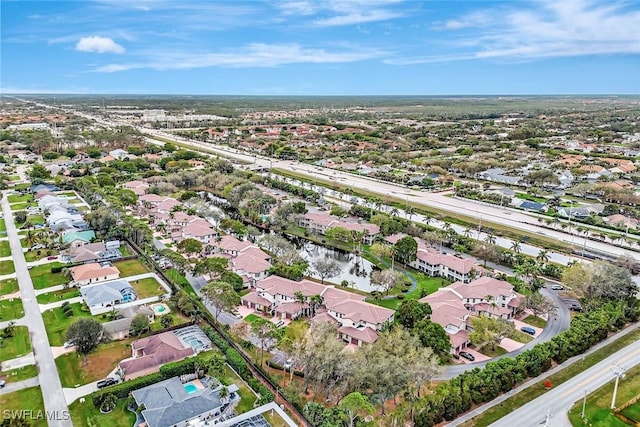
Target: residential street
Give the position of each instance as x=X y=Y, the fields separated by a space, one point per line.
x=54 y=401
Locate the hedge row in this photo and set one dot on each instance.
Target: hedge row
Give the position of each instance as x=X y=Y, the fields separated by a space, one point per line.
x=475 y=387
x=170 y=370
x=237 y=362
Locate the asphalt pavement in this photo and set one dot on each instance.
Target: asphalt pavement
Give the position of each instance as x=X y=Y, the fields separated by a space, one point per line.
x=560 y=399
x=54 y=401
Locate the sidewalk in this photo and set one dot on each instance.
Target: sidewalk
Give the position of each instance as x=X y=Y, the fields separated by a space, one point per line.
x=19 y=362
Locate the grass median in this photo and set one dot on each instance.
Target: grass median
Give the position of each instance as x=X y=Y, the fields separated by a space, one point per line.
x=537 y=389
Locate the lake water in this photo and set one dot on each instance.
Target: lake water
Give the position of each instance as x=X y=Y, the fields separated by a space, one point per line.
x=355 y=269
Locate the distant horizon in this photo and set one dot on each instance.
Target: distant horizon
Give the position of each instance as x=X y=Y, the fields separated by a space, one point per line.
x=470 y=95
x=320 y=48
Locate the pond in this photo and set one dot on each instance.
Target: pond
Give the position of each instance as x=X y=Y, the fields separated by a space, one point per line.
x=355 y=269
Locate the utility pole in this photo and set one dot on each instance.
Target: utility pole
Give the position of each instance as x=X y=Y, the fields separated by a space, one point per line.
x=619 y=372
x=584 y=404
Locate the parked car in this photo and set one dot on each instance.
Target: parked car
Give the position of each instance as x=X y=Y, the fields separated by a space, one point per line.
x=69 y=344
x=288 y=363
x=52 y=257
x=467 y=356
x=106 y=382
x=528 y=330
x=2 y=383
x=557 y=287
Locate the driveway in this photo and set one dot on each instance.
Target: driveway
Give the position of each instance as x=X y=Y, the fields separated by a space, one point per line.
x=479 y=357
x=20 y=385
x=519 y=324
x=510 y=345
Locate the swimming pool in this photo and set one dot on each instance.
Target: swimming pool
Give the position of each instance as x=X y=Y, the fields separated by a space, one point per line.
x=190 y=388
x=159 y=308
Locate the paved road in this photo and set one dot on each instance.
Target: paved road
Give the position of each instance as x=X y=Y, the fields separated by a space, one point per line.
x=482 y=212
x=54 y=402
x=560 y=399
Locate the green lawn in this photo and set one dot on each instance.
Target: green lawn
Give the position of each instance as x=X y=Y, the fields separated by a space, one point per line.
x=521 y=337
x=18 y=345
x=24 y=242
x=20 y=206
x=60 y=295
x=247 y=397
x=11 y=309
x=179 y=280
x=252 y=318
x=22 y=186
x=7 y=267
x=19 y=374
x=426 y=285
x=497 y=351
x=5 y=249
x=8 y=286
x=36 y=219
x=633 y=412
x=27 y=399
x=537 y=389
x=87 y=415
x=39 y=254
x=148 y=287
x=3 y=226
x=296 y=330
x=597 y=410
x=535 y=321
x=42 y=276
x=124 y=250
x=130 y=267
x=16 y=198
x=14 y=178
x=67 y=193
x=57 y=323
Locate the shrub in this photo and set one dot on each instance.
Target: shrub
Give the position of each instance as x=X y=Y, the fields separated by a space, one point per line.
x=55 y=270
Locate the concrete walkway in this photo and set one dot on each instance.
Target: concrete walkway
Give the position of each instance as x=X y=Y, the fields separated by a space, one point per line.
x=48 y=378
x=18 y=322
x=20 y=385
x=16 y=294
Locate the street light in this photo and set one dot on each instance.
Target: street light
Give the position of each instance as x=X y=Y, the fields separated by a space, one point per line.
x=619 y=372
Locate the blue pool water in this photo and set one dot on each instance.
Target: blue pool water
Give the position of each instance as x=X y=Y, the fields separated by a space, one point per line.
x=190 y=388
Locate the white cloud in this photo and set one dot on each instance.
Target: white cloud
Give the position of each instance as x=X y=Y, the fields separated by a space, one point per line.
x=99 y=44
x=357 y=18
x=545 y=29
x=254 y=55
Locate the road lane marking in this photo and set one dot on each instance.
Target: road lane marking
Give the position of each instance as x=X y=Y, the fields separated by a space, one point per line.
x=598 y=374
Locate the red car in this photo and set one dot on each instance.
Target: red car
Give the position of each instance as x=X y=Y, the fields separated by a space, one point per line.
x=52 y=257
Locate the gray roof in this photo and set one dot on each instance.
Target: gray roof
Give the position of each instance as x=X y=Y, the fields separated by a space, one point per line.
x=118 y=325
x=105 y=292
x=167 y=403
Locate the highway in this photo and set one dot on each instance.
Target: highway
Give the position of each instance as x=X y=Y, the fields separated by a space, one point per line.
x=560 y=399
x=504 y=216
x=507 y=217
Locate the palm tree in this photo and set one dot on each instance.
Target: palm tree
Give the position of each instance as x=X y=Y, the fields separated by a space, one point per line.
x=543 y=257
x=394 y=211
x=515 y=246
x=409 y=211
x=426 y=218
x=467 y=232
x=490 y=238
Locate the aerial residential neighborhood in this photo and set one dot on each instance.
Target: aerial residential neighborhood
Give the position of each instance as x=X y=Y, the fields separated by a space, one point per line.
x=381 y=213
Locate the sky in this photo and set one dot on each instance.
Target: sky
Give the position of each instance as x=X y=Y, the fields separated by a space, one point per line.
x=329 y=47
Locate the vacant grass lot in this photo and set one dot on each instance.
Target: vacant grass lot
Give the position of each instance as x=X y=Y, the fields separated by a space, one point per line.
x=18 y=345
x=5 y=249
x=11 y=309
x=148 y=287
x=8 y=286
x=60 y=295
x=130 y=267
x=39 y=254
x=36 y=219
x=525 y=396
x=20 y=206
x=42 y=276
x=57 y=323
x=3 y=226
x=27 y=399
x=7 y=267
x=99 y=363
x=597 y=410
x=19 y=374
x=16 y=198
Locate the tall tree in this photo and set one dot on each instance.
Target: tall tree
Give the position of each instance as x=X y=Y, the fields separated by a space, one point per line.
x=406 y=250
x=539 y=304
x=267 y=333
x=489 y=330
x=411 y=312
x=326 y=268
x=86 y=333
x=386 y=279
x=190 y=246
x=355 y=404
x=221 y=296
x=214 y=267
